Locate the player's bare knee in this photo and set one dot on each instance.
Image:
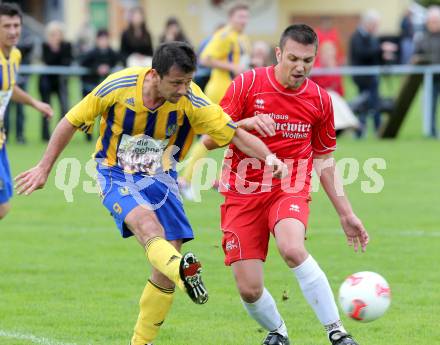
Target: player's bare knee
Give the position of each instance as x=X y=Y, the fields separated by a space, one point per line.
x=250 y=293
x=146 y=227
x=3 y=214
x=293 y=255
x=4 y=209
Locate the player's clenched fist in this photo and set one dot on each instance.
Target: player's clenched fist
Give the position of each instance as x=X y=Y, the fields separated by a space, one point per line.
x=280 y=168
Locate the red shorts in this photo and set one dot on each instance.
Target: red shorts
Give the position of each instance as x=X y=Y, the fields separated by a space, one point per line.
x=247 y=222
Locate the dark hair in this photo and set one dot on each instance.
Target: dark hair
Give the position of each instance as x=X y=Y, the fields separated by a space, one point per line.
x=102 y=32
x=172 y=21
x=10 y=9
x=145 y=34
x=168 y=54
x=300 y=33
x=237 y=7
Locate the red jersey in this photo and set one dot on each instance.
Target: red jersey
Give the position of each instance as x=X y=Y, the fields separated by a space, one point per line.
x=330 y=82
x=304 y=125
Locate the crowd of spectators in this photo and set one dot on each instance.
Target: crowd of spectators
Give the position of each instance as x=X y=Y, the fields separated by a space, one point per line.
x=365 y=48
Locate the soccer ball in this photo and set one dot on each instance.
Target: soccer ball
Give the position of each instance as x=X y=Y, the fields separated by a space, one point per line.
x=364 y=296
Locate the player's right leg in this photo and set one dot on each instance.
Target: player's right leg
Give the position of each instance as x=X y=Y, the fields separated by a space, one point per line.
x=6 y=188
x=245 y=244
x=4 y=209
x=184 y=271
x=258 y=302
x=136 y=204
x=154 y=305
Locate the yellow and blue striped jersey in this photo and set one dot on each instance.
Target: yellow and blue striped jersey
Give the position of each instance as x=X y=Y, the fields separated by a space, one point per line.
x=8 y=76
x=164 y=133
x=226 y=45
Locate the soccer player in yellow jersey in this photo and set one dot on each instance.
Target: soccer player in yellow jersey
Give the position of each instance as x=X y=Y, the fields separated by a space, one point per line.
x=10 y=30
x=228 y=55
x=148 y=119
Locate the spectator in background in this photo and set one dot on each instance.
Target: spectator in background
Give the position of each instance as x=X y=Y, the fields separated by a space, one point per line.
x=100 y=60
x=366 y=50
x=427 y=51
x=261 y=55
x=344 y=117
x=327 y=54
x=330 y=54
x=56 y=52
x=327 y=32
x=406 y=38
x=136 y=45
x=26 y=46
x=173 y=32
x=85 y=39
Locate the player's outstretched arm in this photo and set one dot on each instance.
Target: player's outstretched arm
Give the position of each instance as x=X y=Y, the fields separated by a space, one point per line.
x=253 y=147
x=20 y=96
x=355 y=232
x=36 y=178
x=263 y=124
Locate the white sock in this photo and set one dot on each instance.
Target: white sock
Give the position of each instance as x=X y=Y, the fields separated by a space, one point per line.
x=317 y=291
x=265 y=312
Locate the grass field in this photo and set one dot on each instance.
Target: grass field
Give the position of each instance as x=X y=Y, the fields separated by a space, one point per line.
x=67 y=278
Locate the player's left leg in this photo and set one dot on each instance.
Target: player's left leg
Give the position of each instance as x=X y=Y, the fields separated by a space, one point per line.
x=155 y=303
x=289 y=234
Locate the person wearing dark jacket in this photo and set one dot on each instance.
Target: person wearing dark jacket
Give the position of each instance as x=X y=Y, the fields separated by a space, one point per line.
x=56 y=52
x=100 y=60
x=136 y=39
x=367 y=50
x=427 y=51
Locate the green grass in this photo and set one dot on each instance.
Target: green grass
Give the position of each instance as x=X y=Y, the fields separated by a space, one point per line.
x=66 y=275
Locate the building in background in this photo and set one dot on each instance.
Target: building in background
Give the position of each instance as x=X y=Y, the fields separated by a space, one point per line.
x=200 y=17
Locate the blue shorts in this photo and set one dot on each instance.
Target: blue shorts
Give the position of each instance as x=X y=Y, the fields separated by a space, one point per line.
x=121 y=193
x=5 y=177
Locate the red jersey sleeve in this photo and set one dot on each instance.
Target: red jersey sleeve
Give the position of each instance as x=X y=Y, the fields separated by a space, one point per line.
x=234 y=100
x=324 y=134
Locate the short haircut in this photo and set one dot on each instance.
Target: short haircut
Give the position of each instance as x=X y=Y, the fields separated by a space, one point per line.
x=300 y=33
x=54 y=26
x=370 y=16
x=237 y=6
x=10 y=9
x=102 y=32
x=169 y=54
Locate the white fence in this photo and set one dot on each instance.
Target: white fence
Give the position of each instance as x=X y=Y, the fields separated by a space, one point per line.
x=427 y=71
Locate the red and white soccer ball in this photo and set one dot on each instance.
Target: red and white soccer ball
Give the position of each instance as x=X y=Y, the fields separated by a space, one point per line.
x=365 y=296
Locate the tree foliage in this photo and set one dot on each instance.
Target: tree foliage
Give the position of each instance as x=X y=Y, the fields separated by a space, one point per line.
x=429 y=2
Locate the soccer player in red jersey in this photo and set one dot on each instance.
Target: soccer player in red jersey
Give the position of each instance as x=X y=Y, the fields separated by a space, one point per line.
x=294 y=117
